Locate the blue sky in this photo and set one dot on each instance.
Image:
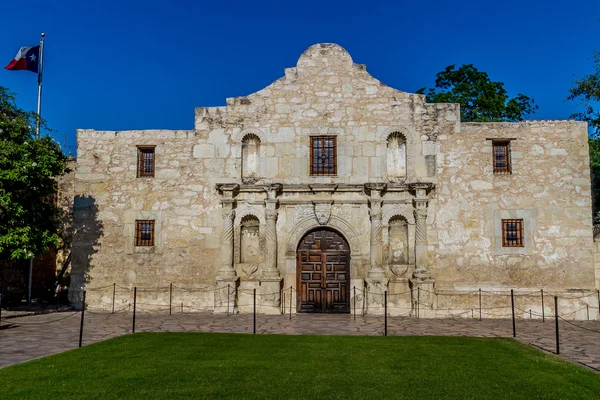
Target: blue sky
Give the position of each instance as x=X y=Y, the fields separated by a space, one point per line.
x=119 y=65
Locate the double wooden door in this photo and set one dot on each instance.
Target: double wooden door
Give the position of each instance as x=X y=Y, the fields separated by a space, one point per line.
x=323 y=269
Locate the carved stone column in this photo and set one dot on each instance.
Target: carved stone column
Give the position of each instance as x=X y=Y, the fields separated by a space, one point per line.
x=270 y=280
x=422 y=283
x=228 y=214
x=226 y=291
x=270 y=269
x=376 y=281
x=375 y=216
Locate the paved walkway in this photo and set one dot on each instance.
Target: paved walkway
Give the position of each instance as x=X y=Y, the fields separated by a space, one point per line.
x=31 y=337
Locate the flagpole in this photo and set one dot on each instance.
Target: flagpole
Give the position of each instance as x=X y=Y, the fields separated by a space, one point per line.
x=40 y=72
x=37 y=135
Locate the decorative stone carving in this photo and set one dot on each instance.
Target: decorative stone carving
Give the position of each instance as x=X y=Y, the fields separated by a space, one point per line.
x=322 y=211
x=249 y=270
x=304 y=212
x=342 y=212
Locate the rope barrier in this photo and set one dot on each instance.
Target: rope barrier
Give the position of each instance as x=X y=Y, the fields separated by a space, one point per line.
x=580 y=327
x=45 y=322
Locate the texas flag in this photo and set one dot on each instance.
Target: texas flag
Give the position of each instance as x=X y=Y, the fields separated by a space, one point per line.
x=26 y=59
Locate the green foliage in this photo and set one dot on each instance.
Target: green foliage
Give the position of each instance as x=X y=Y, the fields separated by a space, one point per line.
x=480 y=99
x=28 y=167
x=586 y=90
x=241 y=366
x=594 y=144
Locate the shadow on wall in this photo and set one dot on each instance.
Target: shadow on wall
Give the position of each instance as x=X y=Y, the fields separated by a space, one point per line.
x=87 y=231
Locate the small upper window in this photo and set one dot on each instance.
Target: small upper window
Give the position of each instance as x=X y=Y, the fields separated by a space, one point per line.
x=144 y=233
x=145 y=161
x=323 y=155
x=501 y=157
x=512 y=233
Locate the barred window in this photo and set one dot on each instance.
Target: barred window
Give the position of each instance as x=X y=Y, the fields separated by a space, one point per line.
x=512 y=233
x=323 y=155
x=145 y=161
x=501 y=150
x=144 y=233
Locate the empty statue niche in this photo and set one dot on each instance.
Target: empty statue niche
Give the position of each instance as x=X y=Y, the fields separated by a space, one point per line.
x=250 y=158
x=249 y=240
x=396 y=155
x=398 y=241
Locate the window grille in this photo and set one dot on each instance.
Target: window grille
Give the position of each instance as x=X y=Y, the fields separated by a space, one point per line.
x=145 y=161
x=144 y=233
x=323 y=155
x=512 y=233
x=502 y=164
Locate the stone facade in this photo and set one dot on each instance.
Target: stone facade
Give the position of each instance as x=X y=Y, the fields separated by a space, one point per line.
x=414 y=195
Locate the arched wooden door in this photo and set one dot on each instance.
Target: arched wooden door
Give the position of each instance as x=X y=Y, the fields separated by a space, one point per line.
x=323 y=273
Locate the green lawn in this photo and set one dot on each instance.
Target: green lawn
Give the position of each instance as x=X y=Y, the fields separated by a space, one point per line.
x=201 y=365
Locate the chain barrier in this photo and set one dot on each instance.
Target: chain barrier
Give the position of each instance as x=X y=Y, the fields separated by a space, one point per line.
x=44 y=322
x=578 y=326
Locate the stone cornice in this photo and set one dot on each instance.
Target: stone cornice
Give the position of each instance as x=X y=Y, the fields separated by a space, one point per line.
x=337 y=187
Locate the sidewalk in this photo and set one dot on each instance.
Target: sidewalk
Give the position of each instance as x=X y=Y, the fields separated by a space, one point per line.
x=30 y=337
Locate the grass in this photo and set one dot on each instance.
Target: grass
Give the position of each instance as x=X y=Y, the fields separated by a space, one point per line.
x=203 y=365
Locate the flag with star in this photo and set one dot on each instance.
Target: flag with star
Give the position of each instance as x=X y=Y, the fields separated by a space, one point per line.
x=26 y=59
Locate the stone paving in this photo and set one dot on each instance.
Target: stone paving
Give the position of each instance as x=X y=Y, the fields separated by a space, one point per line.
x=30 y=337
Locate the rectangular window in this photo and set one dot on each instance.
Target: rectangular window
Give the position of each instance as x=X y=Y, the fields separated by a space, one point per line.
x=144 y=233
x=145 y=161
x=501 y=157
x=323 y=155
x=512 y=233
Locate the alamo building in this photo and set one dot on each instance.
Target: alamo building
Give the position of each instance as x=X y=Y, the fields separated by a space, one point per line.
x=331 y=188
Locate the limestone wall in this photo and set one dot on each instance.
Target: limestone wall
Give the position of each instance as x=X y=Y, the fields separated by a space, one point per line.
x=327 y=94
x=549 y=188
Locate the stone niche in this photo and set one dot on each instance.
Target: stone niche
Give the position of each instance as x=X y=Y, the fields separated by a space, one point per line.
x=396 y=156
x=249 y=261
x=249 y=240
x=398 y=260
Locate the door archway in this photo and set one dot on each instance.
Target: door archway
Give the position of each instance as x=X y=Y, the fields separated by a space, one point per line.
x=323 y=273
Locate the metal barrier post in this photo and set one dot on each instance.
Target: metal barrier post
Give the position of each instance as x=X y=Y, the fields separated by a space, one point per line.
x=290 y=302
x=418 y=300
x=1 y=297
x=58 y=297
x=283 y=302
x=556 y=323
x=385 y=313
x=82 y=315
x=530 y=313
x=228 y=298
x=254 y=319
x=543 y=312
x=134 y=304
x=587 y=307
x=480 y=304
x=354 y=300
x=512 y=302
x=113 y=299
x=598 y=293
x=170 y=297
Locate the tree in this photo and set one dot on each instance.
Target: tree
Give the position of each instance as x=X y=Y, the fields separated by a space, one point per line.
x=28 y=168
x=480 y=99
x=586 y=90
